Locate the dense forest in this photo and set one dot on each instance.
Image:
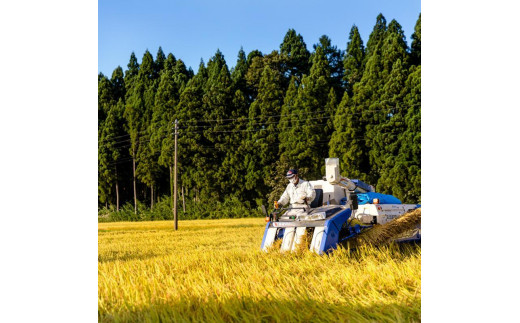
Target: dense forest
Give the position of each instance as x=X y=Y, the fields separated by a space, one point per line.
x=241 y=129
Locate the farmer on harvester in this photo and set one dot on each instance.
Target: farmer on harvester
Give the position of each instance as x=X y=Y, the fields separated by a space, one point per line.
x=299 y=192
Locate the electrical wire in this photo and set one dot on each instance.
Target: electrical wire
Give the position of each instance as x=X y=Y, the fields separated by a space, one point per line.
x=253 y=124
x=294 y=114
x=221 y=147
x=246 y=130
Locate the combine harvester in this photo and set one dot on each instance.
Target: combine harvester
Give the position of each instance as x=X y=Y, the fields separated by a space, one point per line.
x=341 y=210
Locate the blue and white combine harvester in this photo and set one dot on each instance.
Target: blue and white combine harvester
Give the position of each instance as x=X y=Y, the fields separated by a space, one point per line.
x=342 y=209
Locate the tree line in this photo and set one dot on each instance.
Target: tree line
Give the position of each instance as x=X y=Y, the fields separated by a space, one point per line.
x=241 y=129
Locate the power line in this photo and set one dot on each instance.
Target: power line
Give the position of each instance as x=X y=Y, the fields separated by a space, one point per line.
x=247 y=130
x=215 y=131
x=253 y=130
x=264 y=123
x=139 y=140
x=124 y=160
x=209 y=130
x=223 y=146
x=242 y=119
x=139 y=132
x=114 y=138
x=253 y=124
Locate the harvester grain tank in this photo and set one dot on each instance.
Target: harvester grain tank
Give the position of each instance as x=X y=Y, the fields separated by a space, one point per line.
x=342 y=209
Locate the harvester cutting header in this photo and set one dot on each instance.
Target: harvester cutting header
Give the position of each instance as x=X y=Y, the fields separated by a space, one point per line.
x=332 y=211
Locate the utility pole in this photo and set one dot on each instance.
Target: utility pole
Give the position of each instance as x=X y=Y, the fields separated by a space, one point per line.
x=175 y=178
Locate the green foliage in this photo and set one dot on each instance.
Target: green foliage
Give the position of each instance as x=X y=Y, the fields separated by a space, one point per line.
x=147 y=164
x=286 y=123
x=131 y=73
x=216 y=105
x=348 y=142
x=261 y=145
x=109 y=151
x=387 y=123
x=236 y=149
x=335 y=58
x=252 y=55
x=377 y=35
x=160 y=58
x=240 y=130
x=105 y=97
x=295 y=49
x=172 y=81
x=192 y=155
x=311 y=135
x=354 y=59
x=118 y=84
x=394 y=47
x=229 y=208
x=402 y=176
x=274 y=60
x=328 y=124
x=238 y=73
x=416 y=43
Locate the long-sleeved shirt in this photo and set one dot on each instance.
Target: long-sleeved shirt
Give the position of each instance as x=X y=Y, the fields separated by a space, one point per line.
x=293 y=193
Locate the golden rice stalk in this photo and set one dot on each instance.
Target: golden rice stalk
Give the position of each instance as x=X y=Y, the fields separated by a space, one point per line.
x=214 y=271
x=275 y=246
x=385 y=233
x=305 y=241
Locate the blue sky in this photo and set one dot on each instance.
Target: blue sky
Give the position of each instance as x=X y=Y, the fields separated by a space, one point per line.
x=195 y=29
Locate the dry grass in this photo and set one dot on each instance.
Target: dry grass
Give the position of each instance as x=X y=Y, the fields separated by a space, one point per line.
x=214 y=271
x=383 y=234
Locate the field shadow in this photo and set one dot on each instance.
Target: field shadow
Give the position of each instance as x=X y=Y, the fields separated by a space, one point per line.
x=267 y=310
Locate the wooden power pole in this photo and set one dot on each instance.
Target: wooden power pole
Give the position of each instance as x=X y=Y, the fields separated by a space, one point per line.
x=175 y=178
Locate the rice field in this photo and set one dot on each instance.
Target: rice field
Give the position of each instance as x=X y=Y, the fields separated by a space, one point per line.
x=214 y=271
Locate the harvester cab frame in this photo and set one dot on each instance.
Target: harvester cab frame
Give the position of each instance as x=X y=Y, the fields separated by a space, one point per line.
x=352 y=206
